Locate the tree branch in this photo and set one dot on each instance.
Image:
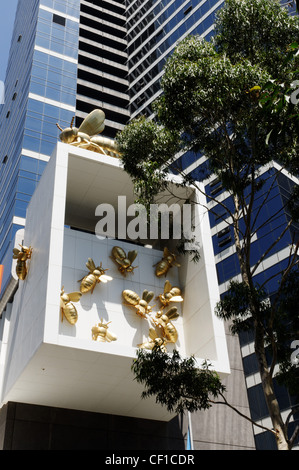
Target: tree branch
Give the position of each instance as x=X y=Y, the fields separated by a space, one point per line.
x=265 y=199
x=296 y=430
x=271 y=246
x=225 y=402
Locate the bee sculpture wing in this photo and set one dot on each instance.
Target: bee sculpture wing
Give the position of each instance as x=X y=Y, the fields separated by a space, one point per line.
x=16 y=253
x=147 y=295
x=121 y=261
x=166 y=252
x=104 y=278
x=118 y=252
x=153 y=334
x=94 y=123
x=75 y=296
x=132 y=255
x=167 y=287
x=144 y=294
x=90 y=265
x=176 y=298
x=110 y=336
x=172 y=313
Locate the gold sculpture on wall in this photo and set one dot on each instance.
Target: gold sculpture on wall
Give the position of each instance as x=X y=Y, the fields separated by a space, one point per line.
x=95 y=276
x=161 y=328
x=164 y=331
x=163 y=323
x=168 y=260
x=170 y=294
x=86 y=135
x=140 y=304
x=67 y=308
x=154 y=341
x=22 y=256
x=124 y=262
x=100 y=333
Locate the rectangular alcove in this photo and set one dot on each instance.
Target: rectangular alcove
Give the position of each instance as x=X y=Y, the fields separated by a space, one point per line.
x=51 y=362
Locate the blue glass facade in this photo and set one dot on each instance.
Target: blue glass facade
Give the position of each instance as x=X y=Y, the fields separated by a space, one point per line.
x=154 y=27
x=40 y=91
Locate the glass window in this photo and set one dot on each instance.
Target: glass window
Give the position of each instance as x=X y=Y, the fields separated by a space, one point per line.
x=28 y=164
x=58 y=19
x=26 y=186
x=31 y=143
x=47 y=147
x=41 y=166
x=20 y=208
x=33 y=124
x=51 y=111
x=36 y=106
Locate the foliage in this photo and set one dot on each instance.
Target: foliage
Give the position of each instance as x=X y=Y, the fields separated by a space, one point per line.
x=177 y=383
x=258 y=30
x=145 y=147
x=278 y=97
x=279 y=319
x=235 y=306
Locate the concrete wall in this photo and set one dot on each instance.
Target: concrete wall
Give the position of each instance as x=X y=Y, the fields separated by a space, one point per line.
x=221 y=428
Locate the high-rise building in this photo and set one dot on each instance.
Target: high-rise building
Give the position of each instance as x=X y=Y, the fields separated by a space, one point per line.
x=102 y=63
x=153 y=31
x=67 y=58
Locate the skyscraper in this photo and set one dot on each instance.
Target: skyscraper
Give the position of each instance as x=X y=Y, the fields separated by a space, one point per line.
x=102 y=63
x=153 y=31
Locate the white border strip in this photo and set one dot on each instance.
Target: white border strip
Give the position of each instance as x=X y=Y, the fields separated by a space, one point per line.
x=56 y=12
x=56 y=54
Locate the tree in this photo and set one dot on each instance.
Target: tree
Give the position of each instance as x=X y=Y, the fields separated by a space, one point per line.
x=279 y=94
x=180 y=385
x=211 y=103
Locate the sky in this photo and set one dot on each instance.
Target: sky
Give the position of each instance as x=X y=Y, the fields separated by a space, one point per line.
x=7 y=17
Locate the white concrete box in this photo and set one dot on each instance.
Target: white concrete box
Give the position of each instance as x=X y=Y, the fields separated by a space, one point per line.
x=48 y=361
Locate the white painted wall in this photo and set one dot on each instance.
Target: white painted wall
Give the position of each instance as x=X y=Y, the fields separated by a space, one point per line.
x=46 y=360
x=107 y=301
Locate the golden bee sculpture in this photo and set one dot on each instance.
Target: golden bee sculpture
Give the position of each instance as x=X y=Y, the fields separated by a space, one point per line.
x=100 y=333
x=170 y=294
x=163 y=323
x=86 y=135
x=140 y=304
x=22 y=256
x=67 y=308
x=154 y=341
x=95 y=276
x=123 y=261
x=168 y=260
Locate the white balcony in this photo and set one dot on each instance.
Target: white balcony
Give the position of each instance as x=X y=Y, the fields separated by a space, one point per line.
x=50 y=362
